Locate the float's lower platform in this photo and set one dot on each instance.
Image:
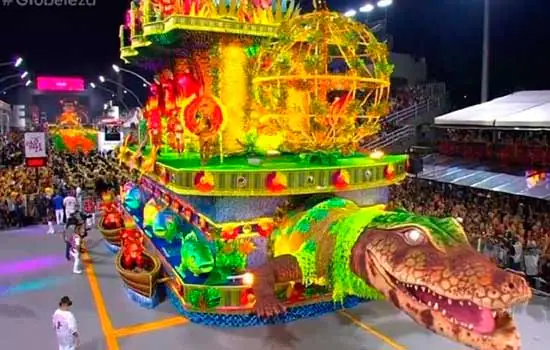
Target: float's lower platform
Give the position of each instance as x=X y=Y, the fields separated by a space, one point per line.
x=251 y=320
x=228 y=309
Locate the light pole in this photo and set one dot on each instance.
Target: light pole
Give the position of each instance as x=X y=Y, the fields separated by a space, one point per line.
x=18 y=61
x=102 y=79
x=113 y=94
x=119 y=69
x=12 y=86
x=485 y=63
x=11 y=76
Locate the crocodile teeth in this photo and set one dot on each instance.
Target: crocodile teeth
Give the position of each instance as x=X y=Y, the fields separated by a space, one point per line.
x=470 y=326
x=429 y=303
x=436 y=306
x=494 y=314
x=443 y=312
x=460 y=303
x=415 y=287
x=449 y=301
x=423 y=289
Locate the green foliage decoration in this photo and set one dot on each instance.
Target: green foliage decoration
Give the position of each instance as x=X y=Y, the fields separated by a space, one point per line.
x=320 y=157
x=227 y=261
x=284 y=62
x=312 y=63
x=248 y=142
x=204 y=298
x=384 y=69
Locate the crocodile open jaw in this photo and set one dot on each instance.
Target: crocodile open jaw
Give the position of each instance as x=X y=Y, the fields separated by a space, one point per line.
x=464 y=313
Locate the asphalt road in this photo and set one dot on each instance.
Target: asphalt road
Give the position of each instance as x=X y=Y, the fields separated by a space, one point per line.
x=34 y=276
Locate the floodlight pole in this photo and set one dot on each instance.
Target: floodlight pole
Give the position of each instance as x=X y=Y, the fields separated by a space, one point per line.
x=485 y=63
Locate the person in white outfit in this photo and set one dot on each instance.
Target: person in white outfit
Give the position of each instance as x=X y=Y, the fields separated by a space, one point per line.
x=75 y=251
x=70 y=205
x=50 y=212
x=65 y=326
x=78 y=194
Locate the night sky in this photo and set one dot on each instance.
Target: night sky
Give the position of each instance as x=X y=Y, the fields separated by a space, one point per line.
x=84 y=41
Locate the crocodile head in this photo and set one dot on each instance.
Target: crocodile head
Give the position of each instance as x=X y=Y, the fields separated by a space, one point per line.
x=426 y=267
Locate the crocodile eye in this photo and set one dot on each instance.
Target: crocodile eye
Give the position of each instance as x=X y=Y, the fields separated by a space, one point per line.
x=414 y=236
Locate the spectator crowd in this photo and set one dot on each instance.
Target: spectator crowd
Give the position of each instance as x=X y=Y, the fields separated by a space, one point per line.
x=26 y=194
x=511 y=230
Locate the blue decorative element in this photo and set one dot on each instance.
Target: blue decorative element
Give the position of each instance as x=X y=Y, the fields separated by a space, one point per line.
x=133 y=199
x=168 y=224
x=251 y=320
x=143 y=301
x=111 y=247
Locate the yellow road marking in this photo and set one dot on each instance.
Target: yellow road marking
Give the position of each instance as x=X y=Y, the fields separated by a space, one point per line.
x=150 y=326
x=104 y=319
x=371 y=330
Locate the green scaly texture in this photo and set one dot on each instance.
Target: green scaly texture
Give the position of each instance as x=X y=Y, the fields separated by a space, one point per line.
x=307 y=260
x=443 y=232
x=307 y=254
x=343 y=281
x=347 y=231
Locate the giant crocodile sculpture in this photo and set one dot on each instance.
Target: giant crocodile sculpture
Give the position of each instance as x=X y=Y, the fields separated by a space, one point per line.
x=423 y=265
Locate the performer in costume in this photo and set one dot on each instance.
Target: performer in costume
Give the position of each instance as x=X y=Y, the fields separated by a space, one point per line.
x=75 y=243
x=75 y=252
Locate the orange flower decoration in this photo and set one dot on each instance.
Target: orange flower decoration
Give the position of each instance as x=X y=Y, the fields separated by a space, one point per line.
x=247 y=247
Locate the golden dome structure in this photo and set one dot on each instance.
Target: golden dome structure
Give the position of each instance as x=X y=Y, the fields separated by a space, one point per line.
x=324 y=83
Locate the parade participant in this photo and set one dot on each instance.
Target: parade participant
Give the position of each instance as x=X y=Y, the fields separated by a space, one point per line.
x=75 y=250
x=57 y=202
x=65 y=326
x=50 y=213
x=70 y=205
x=73 y=242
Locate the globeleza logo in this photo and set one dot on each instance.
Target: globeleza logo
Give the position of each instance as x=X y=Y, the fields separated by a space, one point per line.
x=50 y=3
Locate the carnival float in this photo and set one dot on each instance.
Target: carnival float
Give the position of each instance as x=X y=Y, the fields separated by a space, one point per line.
x=68 y=134
x=253 y=192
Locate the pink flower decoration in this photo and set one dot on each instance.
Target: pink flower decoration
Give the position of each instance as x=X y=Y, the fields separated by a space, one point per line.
x=263 y=4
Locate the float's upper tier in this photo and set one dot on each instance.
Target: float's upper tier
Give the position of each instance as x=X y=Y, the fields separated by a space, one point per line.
x=149 y=20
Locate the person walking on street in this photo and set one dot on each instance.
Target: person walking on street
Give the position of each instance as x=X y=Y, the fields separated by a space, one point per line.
x=70 y=205
x=65 y=326
x=76 y=241
x=57 y=202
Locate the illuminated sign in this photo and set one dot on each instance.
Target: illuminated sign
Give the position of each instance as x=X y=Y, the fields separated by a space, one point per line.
x=36 y=162
x=60 y=84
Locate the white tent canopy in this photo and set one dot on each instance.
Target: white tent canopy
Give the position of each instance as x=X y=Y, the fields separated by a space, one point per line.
x=526 y=109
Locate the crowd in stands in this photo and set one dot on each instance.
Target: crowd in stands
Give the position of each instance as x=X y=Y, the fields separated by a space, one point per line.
x=11 y=146
x=509 y=147
x=406 y=96
x=512 y=230
x=25 y=194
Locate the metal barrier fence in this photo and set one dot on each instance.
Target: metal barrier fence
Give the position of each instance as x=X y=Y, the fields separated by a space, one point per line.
x=400 y=117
